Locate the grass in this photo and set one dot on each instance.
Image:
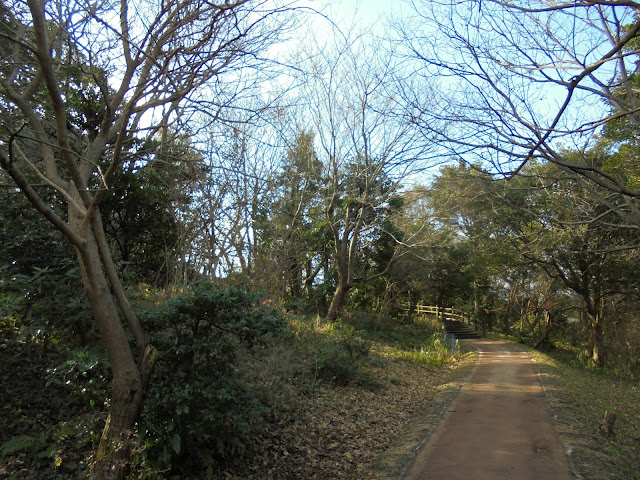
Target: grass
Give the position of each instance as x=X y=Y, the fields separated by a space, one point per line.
x=421 y=343
x=341 y=354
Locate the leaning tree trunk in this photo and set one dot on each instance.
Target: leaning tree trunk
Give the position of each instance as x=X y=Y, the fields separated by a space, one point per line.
x=126 y=387
x=128 y=378
x=548 y=327
x=337 y=302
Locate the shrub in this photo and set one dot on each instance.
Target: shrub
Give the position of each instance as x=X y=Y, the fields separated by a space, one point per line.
x=57 y=452
x=85 y=374
x=44 y=307
x=198 y=413
x=339 y=359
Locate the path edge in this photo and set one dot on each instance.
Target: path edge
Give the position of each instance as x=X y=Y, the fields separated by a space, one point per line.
x=395 y=462
x=549 y=398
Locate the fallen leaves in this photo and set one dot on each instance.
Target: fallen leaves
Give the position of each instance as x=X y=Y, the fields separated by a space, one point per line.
x=339 y=432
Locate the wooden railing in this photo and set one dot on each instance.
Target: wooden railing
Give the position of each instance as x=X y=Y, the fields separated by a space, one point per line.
x=442 y=313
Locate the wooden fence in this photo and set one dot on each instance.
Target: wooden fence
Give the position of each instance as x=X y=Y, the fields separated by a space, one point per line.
x=442 y=313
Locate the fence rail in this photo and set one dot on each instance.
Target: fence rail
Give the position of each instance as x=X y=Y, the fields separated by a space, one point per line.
x=442 y=313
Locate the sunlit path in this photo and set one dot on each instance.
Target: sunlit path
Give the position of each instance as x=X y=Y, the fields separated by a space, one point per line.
x=497 y=427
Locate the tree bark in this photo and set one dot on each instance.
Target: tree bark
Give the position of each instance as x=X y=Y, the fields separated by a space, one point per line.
x=547 y=330
x=128 y=385
x=597 y=341
x=336 y=302
x=344 y=269
x=594 y=319
x=508 y=314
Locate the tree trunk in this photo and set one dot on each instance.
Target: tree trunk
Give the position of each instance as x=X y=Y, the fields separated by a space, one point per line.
x=547 y=331
x=337 y=302
x=476 y=306
x=128 y=384
x=295 y=277
x=508 y=314
x=343 y=269
x=536 y=322
x=480 y=313
x=597 y=342
x=127 y=395
x=115 y=444
x=594 y=318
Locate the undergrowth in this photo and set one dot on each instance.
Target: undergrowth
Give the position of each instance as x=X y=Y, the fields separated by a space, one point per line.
x=229 y=366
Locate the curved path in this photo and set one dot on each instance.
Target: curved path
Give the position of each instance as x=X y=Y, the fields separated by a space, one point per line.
x=497 y=427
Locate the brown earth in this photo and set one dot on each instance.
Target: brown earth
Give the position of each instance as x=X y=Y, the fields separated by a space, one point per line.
x=497 y=427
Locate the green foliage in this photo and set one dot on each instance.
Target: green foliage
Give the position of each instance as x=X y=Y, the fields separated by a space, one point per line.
x=41 y=449
x=140 y=221
x=198 y=413
x=27 y=240
x=436 y=352
x=41 y=294
x=86 y=374
x=291 y=229
x=538 y=243
x=340 y=358
x=38 y=283
x=44 y=306
x=58 y=452
x=375 y=324
x=455 y=245
x=373 y=303
x=422 y=342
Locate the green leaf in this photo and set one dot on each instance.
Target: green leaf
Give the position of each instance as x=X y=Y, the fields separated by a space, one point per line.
x=176 y=443
x=49 y=452
x=16 y=444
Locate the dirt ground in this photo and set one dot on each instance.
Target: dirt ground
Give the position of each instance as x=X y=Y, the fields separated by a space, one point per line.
x=497 y=427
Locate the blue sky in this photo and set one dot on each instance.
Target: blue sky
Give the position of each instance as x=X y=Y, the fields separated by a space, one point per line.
x=366 y=11
x=369 y=12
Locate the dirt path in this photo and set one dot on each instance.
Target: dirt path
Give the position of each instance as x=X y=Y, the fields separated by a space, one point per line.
x=497 y=427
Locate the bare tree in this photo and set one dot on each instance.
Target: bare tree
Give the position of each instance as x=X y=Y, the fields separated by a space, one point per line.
x=530 y=80
x=143 y=62
x=363 y=143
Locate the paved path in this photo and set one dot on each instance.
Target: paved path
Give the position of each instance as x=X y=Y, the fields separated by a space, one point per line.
x=497 y=427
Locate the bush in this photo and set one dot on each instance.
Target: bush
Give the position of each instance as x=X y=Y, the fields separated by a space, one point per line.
x=197 y=412
x=339 y=359
x=85 y=374
x=44 y=307
x=57 y=452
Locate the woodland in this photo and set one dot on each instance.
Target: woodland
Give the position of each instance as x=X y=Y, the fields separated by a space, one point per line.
x=202 y=199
